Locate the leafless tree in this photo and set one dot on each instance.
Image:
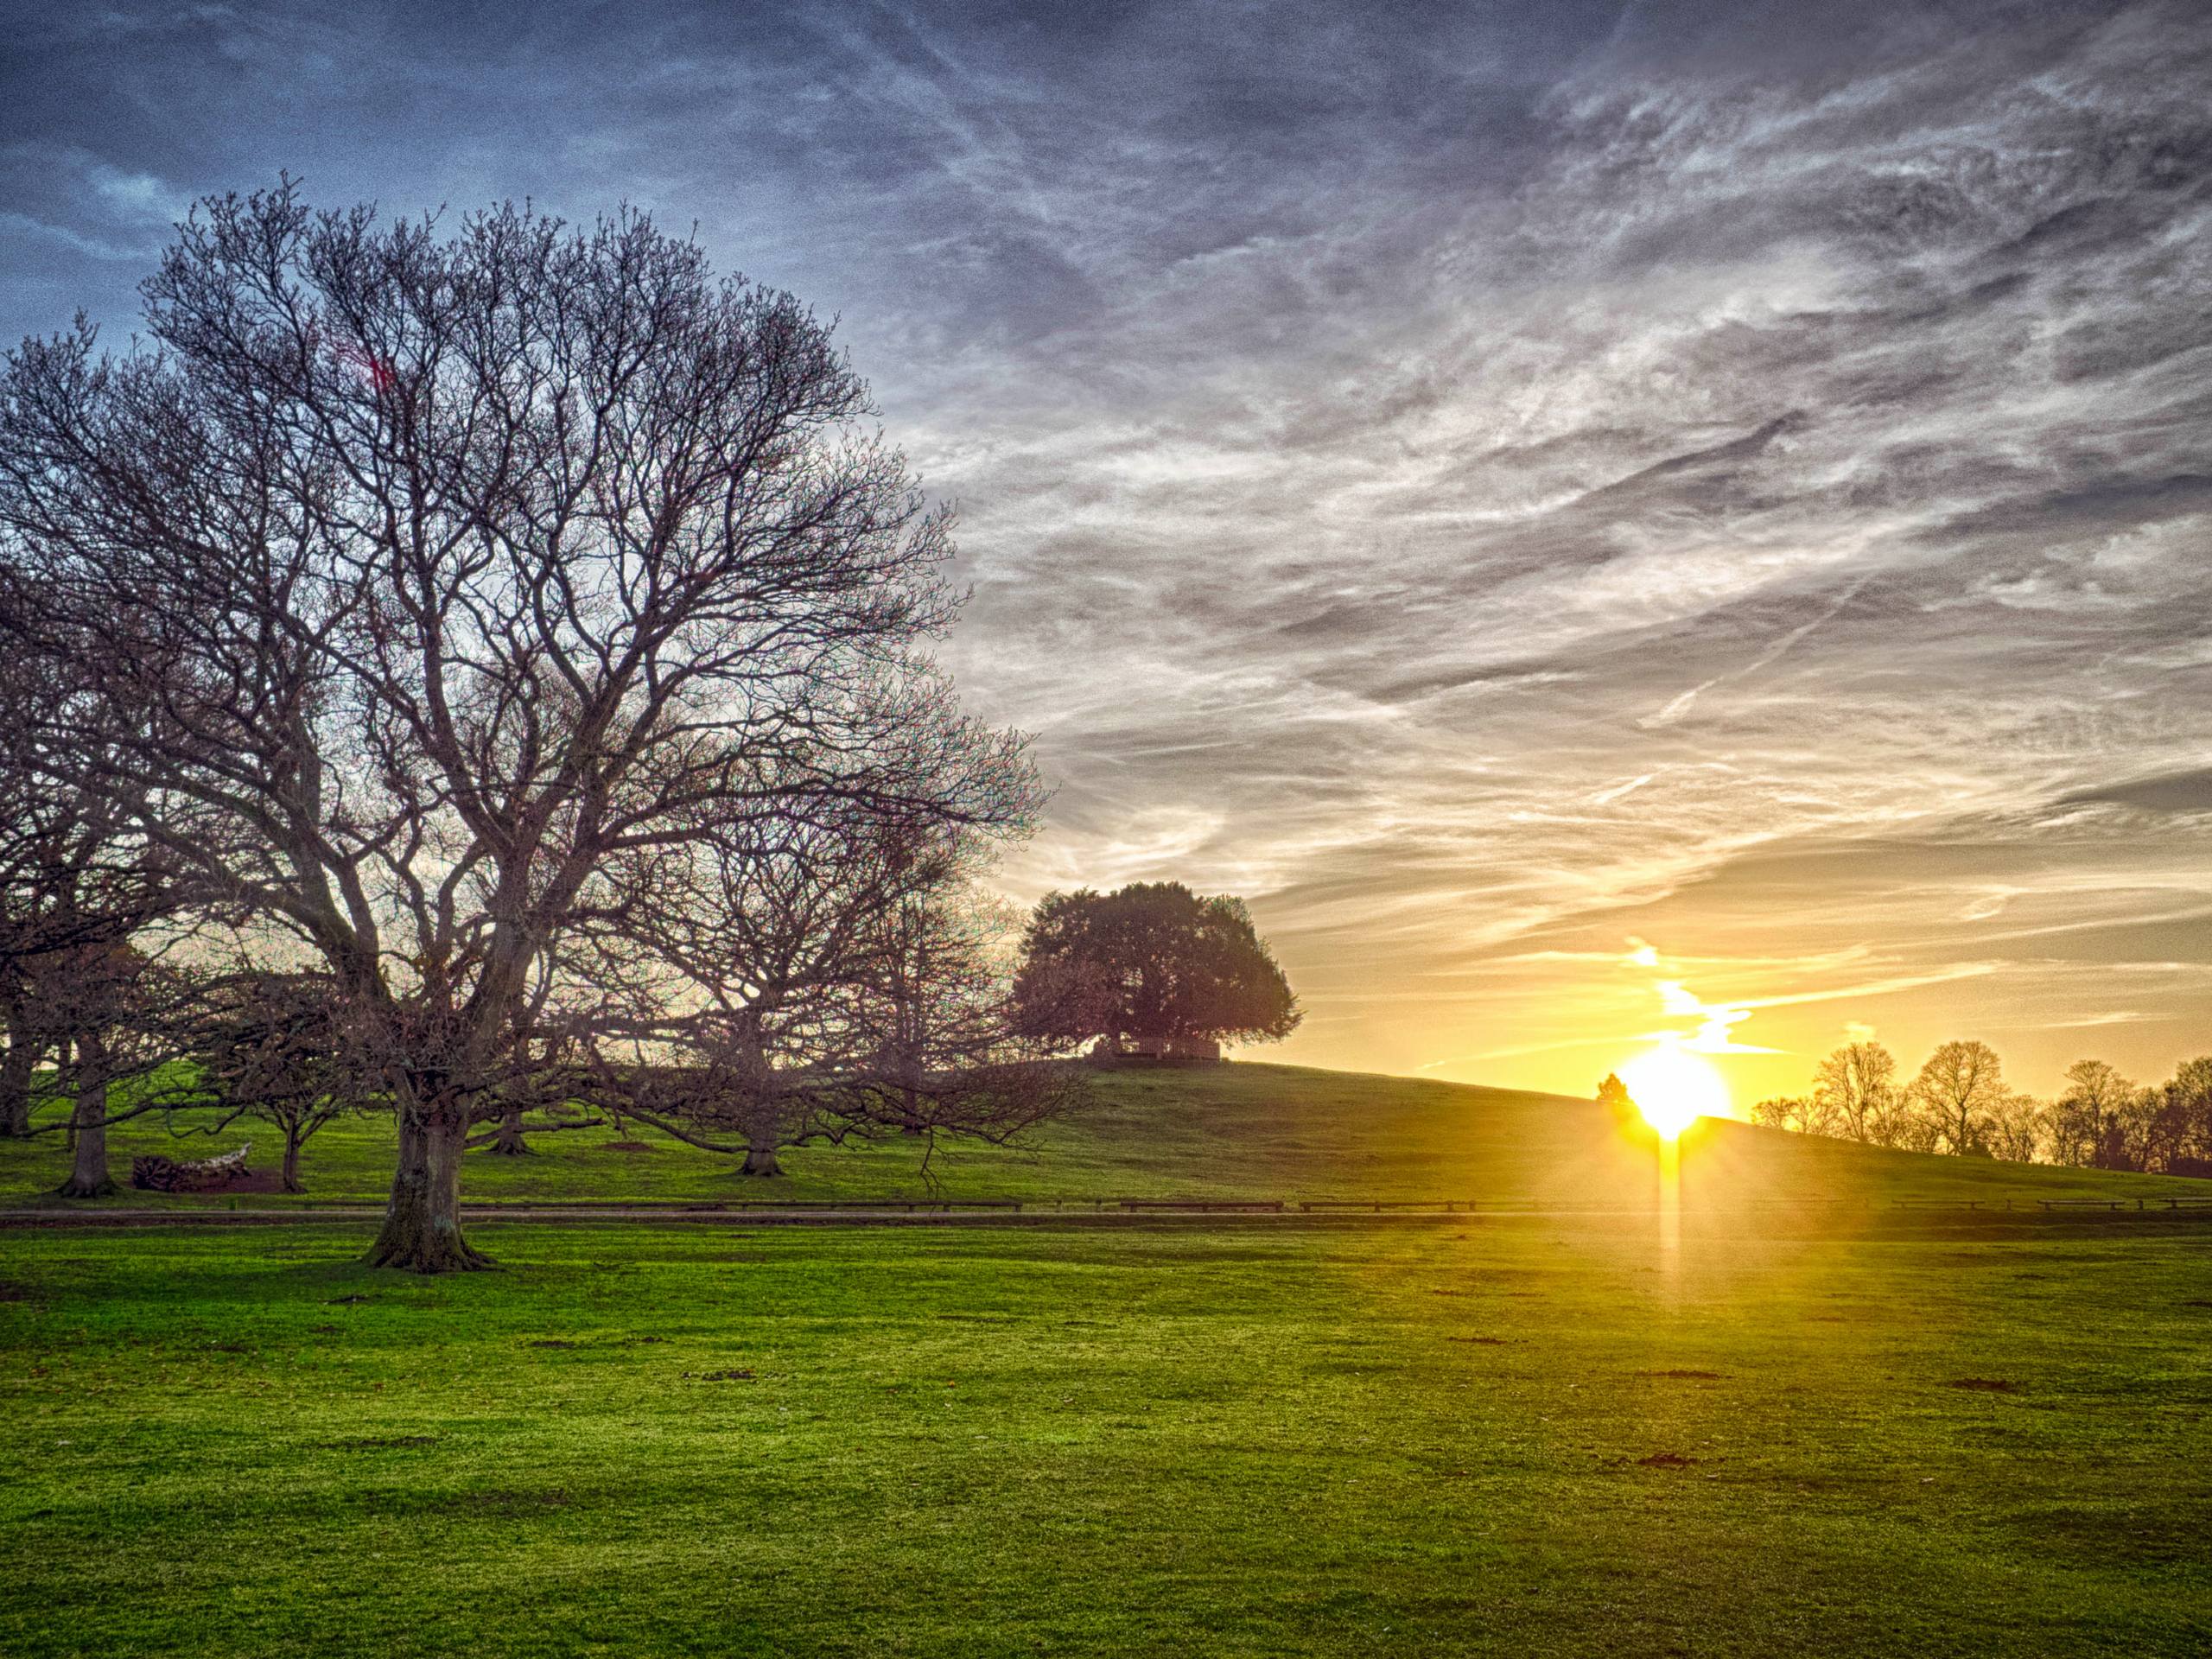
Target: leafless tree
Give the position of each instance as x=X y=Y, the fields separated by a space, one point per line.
x=279 y=1047
x=1801 y=1114
x=730 y=1005
x=2177 y=1132
x=1856 y=1092
x=823 y=979
x=2093 y=1124
x=1957 y=1096
x=455 y=570
x=941 y=1025
x=76 y=883
x=2019 y=1128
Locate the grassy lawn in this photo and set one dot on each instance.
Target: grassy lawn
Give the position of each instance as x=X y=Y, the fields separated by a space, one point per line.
x=1437 y=1439
x=1238 y=1131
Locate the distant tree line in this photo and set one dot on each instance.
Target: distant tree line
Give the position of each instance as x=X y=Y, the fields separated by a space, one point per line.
x=1959 y=1102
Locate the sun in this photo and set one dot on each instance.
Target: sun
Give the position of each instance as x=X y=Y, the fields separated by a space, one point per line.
x=1673 y=1087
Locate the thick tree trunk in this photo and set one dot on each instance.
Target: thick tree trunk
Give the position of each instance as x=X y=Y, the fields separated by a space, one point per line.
x=16 y=1067
x=88 y=1176
x=760 y=1158
x=508 y=1143
x=422 y=1222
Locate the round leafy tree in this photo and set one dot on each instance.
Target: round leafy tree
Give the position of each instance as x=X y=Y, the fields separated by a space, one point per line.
x=1152 y=970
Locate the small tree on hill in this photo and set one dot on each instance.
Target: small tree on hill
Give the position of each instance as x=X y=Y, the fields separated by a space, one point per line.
x=1796 y=1113
x=2019 y=1128
x=2179 y=1129
x=1152 y=967
x=2098 y=1123
x=1856 y=1092
x=1958 y=1095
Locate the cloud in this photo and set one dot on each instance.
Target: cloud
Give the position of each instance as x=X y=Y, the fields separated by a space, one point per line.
x=1477 y=483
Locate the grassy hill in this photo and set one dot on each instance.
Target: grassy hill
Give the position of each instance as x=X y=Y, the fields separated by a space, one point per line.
x=1240 y=1131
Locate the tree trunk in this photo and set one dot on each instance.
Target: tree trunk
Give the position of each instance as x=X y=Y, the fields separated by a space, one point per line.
x=291 y=1175
x=88 y=1176
x=16 y=1068
x=760 y=1158
x=508 y=1143
x=422 y=1222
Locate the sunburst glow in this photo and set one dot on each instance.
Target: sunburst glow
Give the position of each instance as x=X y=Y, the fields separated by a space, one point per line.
x=1672 y=1088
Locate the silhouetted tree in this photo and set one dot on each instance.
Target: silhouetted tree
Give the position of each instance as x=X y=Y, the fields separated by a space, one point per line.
x=2179 y=1132
x=1153 y=962
x=1613 y=1095
x=448 y=569
x=1957 y=1096
x=1855 y=1092
x=2019 y=1128
x=822 y=980
x=1802 y=1114
x=2100 y=1120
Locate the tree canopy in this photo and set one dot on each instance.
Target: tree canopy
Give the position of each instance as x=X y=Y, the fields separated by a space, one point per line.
x=1154 y=962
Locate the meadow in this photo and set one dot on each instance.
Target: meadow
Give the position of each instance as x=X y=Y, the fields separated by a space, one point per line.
x=1803 y=1429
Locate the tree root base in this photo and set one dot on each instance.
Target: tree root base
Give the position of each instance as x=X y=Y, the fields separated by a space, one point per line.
x=443 y=1256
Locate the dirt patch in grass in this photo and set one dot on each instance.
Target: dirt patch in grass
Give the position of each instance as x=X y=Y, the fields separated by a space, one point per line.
x=552 y=1342
x=1687 y=1377
x=1667 y=1460
x=724 y=1376
x=627 y=1145
x=1483 y=1342
x=1984 y=1385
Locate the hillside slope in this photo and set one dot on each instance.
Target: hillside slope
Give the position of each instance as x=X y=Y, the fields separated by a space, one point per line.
x=1243 y=1131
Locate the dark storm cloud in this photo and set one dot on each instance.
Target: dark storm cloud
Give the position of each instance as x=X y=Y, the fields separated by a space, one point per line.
x=1480 y=479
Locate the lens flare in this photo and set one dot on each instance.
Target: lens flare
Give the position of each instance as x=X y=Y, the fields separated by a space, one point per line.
x=1672 y=1088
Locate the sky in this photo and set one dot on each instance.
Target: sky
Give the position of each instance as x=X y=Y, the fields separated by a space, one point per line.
x=1607 y=523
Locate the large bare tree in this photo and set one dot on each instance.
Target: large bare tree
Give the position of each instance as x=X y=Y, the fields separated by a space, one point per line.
x=457 y=568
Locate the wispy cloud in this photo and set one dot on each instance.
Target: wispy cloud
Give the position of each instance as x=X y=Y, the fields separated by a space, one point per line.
x=1484 y=488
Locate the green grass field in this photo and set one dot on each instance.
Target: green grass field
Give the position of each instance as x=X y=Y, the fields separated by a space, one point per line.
x=1874 y=1432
